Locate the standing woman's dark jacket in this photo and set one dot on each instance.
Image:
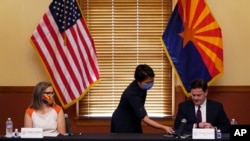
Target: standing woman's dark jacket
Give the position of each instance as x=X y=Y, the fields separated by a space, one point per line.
x=130 y=111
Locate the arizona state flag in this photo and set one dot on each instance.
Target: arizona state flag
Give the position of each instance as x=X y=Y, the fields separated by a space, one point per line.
x=193 y=43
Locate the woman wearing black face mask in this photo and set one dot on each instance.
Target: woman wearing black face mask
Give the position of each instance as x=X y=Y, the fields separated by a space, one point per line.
x=131 y=111
x=43 y=112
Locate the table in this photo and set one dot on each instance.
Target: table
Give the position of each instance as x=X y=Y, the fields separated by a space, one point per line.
x=114 y=137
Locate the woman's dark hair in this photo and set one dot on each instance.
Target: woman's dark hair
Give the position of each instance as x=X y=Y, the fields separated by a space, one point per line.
x=199 y=83
x=142 y=72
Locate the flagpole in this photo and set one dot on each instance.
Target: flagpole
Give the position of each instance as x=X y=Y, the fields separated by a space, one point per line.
x=65 y=23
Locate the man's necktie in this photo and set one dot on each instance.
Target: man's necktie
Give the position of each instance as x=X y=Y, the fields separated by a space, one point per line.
x=198 y=115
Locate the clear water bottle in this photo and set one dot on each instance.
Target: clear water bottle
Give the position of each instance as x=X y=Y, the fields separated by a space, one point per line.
x=9 y=128
x=233 y=122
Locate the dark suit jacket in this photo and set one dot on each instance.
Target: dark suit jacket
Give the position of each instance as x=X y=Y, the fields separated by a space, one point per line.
x=215 y=115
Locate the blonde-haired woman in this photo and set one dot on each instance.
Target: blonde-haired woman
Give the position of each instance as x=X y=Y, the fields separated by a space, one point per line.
x=43 y=112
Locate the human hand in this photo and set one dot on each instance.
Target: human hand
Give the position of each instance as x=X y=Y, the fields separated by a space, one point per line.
x=168 y=130
x=208 y=125
x=205 y=125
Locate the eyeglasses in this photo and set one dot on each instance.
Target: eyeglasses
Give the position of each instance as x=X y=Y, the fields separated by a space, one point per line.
x=50 y=93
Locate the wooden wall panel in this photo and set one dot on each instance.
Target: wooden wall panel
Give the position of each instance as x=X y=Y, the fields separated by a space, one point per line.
x=15 y=99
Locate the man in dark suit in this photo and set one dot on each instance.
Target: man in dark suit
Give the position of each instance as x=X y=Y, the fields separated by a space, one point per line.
x=212 y=112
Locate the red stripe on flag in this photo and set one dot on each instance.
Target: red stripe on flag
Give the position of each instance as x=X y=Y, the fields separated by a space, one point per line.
x=83 y=54
x=89 y=56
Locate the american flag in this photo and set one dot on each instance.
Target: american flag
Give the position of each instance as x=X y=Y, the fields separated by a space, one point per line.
x=66 y=49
